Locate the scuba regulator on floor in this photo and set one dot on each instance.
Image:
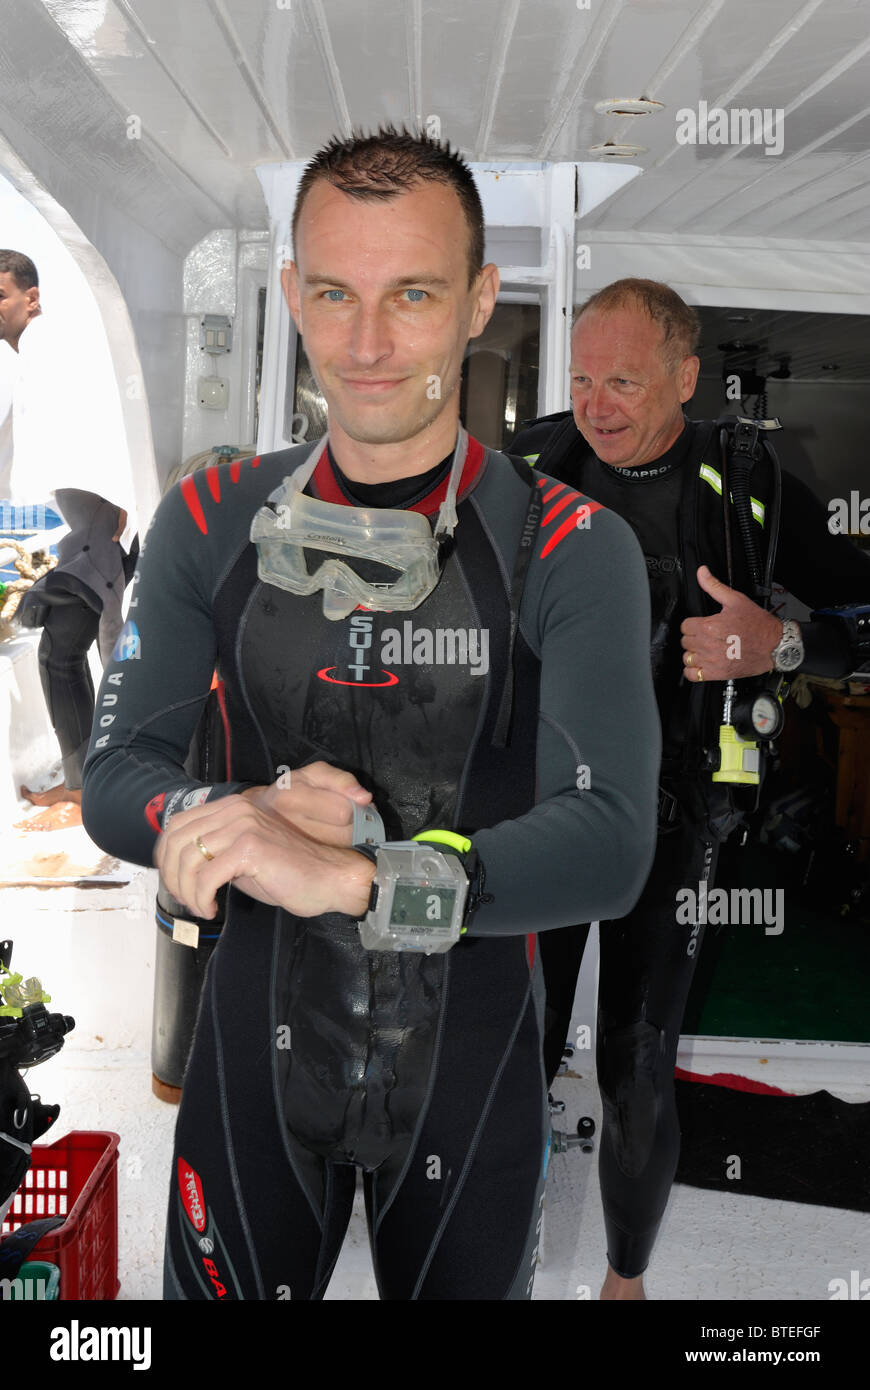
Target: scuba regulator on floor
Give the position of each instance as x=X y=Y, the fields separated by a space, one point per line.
x=752 y=716
x=29 y=1034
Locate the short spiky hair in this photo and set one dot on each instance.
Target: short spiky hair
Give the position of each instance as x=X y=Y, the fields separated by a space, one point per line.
x=392 y=162
x=680 y=325
x=21 y=268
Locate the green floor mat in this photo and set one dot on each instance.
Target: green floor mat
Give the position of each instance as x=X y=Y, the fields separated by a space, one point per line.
x=810 y=982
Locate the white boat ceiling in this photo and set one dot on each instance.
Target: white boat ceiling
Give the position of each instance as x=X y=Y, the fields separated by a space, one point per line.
x=220 y=86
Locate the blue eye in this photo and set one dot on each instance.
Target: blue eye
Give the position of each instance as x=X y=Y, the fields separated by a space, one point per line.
x=335 y=296
x=416 y=295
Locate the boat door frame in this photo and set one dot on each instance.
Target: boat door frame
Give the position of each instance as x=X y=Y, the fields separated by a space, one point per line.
x=540 y=196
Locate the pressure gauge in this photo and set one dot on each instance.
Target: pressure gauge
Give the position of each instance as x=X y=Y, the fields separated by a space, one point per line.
x=766 y=715
x=758 y=716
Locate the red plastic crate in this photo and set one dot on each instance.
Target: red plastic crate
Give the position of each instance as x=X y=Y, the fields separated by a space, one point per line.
x=75 y=1177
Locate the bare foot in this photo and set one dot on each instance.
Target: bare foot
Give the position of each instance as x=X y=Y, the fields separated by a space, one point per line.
x=59 y=816
x=617 y=1288
x=54 y=794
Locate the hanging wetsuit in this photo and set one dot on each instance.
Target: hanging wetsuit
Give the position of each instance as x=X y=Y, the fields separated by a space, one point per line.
x=648 y=958
x=311 y=1055
x=76 y=604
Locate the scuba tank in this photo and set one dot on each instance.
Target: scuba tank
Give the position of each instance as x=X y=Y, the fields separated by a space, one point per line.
x=184 y=943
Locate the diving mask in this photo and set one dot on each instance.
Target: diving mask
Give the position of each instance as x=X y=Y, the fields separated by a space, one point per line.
x=291 y=524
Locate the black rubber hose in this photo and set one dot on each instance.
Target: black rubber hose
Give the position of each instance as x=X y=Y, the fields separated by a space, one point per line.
x=740 y=473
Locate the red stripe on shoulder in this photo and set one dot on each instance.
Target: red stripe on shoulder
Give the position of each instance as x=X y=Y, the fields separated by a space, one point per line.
x=569 y=525
x=559 y=506
x=213 y=478
x=556 y=488
x=255 y=462
x=235 y=470
x=194 y=506
x=531 y=943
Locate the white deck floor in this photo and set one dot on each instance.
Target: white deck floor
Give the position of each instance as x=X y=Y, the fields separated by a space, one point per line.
x=712 y=1246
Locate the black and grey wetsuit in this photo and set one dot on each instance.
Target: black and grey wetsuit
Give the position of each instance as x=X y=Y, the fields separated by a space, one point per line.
x=648 y=957
x=312 y=1056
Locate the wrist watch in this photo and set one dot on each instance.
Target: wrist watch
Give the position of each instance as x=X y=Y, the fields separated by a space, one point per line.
x=788 y=654
x=421 y=889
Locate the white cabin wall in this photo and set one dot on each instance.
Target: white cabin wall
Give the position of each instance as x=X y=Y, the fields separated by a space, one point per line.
x=761 y=272
x=221 y=276
x=147 y=273
x=72 y=141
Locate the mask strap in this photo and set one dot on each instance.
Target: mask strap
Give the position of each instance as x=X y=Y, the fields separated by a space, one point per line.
x=447 y=517
x=301 y=476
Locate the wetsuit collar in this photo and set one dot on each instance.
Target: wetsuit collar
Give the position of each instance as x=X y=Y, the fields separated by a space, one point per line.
x=666 y=463
x=328 y=488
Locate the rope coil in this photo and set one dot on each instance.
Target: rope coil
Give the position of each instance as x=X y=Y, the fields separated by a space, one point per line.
x=30 y=566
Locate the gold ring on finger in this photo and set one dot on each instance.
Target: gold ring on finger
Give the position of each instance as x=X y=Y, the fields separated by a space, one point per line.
x=700 y=674
x=206 y=854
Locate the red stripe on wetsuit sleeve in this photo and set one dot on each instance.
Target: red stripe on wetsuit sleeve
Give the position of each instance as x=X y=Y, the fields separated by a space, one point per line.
x=194 y=506
x=556 y=488
x=559 y=506
x=567 y=526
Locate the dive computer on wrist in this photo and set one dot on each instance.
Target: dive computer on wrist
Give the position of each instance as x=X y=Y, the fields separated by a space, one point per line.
x=420 y=891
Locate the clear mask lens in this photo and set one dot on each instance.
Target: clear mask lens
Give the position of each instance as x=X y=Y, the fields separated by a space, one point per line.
x=293 y=530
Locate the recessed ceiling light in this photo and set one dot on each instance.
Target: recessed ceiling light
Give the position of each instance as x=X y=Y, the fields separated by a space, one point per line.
x=830 y=366
x=610 y=150
x=740 y=318
x=631 y=106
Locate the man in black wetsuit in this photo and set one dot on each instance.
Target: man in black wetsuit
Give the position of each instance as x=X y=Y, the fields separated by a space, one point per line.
x=628 y=445
x=470 y=713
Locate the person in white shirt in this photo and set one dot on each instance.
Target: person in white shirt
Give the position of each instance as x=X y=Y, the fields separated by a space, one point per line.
x=55 y=453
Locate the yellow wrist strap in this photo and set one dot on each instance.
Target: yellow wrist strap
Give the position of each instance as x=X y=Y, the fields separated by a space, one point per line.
x=445 y=837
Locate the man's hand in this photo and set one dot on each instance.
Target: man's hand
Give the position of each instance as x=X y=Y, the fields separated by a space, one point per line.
x=122 y=522
x=264 y=855
x=317 y=799
x=737 y=642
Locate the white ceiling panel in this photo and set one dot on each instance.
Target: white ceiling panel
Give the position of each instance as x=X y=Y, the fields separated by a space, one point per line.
x=223 y=85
